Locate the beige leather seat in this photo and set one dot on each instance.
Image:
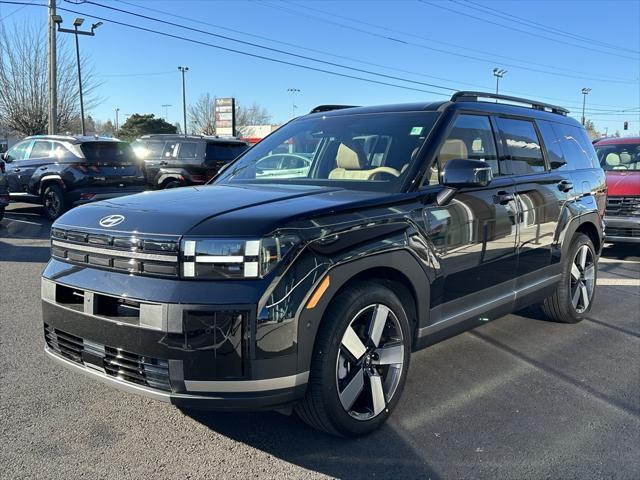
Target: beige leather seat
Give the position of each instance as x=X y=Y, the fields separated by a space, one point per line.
x=613 y=160
x=350 y=160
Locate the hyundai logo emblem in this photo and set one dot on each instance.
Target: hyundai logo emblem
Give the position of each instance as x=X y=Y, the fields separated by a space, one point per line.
x=111 y=220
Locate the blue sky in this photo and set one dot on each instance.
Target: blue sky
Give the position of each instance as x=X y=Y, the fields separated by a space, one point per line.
x=434 y=42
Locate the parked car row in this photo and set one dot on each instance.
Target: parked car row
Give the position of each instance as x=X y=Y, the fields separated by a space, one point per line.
x=59 y=172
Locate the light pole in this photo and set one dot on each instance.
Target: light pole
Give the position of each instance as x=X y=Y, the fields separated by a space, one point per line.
x=184 y=99
x=53 y=87
x=165 y=107
x=293 y=92
x=57 y=19
x=116 y=129
x=498 y=73
x=585 y=92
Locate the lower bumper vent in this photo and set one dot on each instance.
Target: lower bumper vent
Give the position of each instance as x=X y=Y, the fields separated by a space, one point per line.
x=123 y=365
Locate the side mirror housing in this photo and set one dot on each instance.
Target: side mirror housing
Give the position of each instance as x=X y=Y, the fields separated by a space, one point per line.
x=461 y=172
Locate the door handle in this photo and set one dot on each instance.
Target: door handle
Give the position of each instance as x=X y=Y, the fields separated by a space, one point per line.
x=504 y=197
x=16 y=169
x=163 y=163
x=565 y=186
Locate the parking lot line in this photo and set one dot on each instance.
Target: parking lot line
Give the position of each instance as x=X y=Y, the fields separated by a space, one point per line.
x=625 y=282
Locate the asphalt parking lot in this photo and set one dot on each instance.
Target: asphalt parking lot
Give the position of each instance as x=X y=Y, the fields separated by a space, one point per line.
x=516 y=398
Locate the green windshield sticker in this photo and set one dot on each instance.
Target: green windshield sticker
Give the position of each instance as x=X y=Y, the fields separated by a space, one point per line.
x=416 y=131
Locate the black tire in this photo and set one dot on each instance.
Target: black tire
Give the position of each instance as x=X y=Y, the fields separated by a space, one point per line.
x=53 y=202
x=322 y=407
x=562 y=306
x=1 y=213
x=172 y=184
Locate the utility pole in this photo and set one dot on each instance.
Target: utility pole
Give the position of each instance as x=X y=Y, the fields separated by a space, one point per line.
x=57 y=19
x=585 y=92
x=498 y=73
x=293 y=92
x=116 y=129
x=184 y=99
x=165 y=108
x=53 y=87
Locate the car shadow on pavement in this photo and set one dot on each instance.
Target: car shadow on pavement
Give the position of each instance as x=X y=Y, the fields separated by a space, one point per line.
x=383 y=454
x=24 y=221
x=24 y=253
x=621 y=251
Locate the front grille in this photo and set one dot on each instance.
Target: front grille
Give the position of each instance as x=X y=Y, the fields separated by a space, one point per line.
x=622 y=232
x=623 y=206
x=118 y=363
x=130 y=253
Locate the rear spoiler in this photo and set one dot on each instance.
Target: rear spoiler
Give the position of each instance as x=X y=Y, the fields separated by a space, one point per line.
x=328 y=108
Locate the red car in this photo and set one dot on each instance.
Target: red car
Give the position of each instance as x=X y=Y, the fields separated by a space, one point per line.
x=620 y=158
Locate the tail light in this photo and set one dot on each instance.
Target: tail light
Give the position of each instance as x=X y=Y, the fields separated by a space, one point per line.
x=81 y=168
x=198 y=178
x=87 y=196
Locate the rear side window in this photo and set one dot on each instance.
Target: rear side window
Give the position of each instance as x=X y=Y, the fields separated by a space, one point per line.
x=111 y=152
x=522 y=145
x=224 y=152
x=188 y=150
x=552 y=145
x=578 y=150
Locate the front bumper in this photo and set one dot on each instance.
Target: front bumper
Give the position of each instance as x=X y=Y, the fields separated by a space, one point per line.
x=622 y=229
x=191 y=355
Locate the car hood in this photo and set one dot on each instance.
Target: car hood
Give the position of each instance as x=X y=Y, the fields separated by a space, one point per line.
x=621 y=183
x=217 y=210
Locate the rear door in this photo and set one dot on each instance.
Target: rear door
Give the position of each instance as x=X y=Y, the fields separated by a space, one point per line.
x=475 y=233
x=541 y=194
x=112 y=164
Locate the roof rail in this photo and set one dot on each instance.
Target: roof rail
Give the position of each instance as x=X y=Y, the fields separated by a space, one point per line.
x=328 y=108
x=474 y=96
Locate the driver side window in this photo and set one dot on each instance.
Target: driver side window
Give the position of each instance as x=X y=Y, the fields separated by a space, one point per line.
x=470 y=138
x=19 y=151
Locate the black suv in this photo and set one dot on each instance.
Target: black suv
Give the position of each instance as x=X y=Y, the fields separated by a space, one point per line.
x=61 y=171
x=412 y=223
x=178 y=160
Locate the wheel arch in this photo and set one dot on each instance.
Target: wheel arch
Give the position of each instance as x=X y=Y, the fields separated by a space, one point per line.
x=45 y=181
x=398 y=270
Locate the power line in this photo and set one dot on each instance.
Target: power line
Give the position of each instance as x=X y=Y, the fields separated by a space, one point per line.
x=591 y=49
x=271 y=49
x=22 y=5
x=253 y=55
x=439 y=50
x=527 y=22
x=309 y=49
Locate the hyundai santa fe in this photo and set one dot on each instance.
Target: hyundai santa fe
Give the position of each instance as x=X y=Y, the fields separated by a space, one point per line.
x=306 y=290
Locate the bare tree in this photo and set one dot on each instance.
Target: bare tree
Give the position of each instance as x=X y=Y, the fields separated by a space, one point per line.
x=253 y=115
x=23 y=81
x=202 y=115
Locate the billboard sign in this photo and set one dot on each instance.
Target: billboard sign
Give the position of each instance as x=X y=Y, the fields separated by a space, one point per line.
x=225 y=116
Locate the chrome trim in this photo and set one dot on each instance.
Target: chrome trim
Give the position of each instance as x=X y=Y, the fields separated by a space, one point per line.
x=115 y=253
x=219 y=259
x=237 y=386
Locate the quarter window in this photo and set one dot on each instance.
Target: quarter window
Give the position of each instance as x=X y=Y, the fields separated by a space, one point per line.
x=552 y=145
x=522 y=145
x=578 y=151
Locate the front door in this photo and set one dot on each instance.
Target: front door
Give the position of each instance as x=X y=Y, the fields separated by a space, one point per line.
x=475 y=233
x=16 y=166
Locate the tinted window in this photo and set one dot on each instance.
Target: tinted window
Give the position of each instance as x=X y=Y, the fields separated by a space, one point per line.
x=19 y=151
x=188 y=150
x=578 y=151
x=470 y=138
x=169 y=149
x=522 y=146
x=147 y=150
x=552 y=145
x=619 y=157
x=40 y=149
x=107 y=152
x=224 y=152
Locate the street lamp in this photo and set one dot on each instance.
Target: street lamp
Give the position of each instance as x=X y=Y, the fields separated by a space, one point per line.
x=57 y=19
x=165 y=107
x=498 y=73
x=184 y=99
x=117 y=110
x=585 y=92
x=293 y=92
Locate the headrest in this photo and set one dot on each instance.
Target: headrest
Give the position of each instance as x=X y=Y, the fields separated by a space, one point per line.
x=625 y=158
x=350 y=157
x=612 y=159
x=453 y=148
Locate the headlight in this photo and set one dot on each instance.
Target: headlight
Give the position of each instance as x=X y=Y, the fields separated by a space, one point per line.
x=214 y=258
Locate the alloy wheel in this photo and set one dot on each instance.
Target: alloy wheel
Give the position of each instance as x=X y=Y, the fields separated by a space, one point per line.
x=370 y=361
x=583 y=274
x=52 y=204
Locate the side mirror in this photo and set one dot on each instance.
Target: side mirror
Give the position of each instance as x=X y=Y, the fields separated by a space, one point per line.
x=5 y=157
x=466 y=173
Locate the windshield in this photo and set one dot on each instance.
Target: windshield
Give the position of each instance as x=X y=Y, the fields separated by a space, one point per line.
x=622 y=157
x=367 y=152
